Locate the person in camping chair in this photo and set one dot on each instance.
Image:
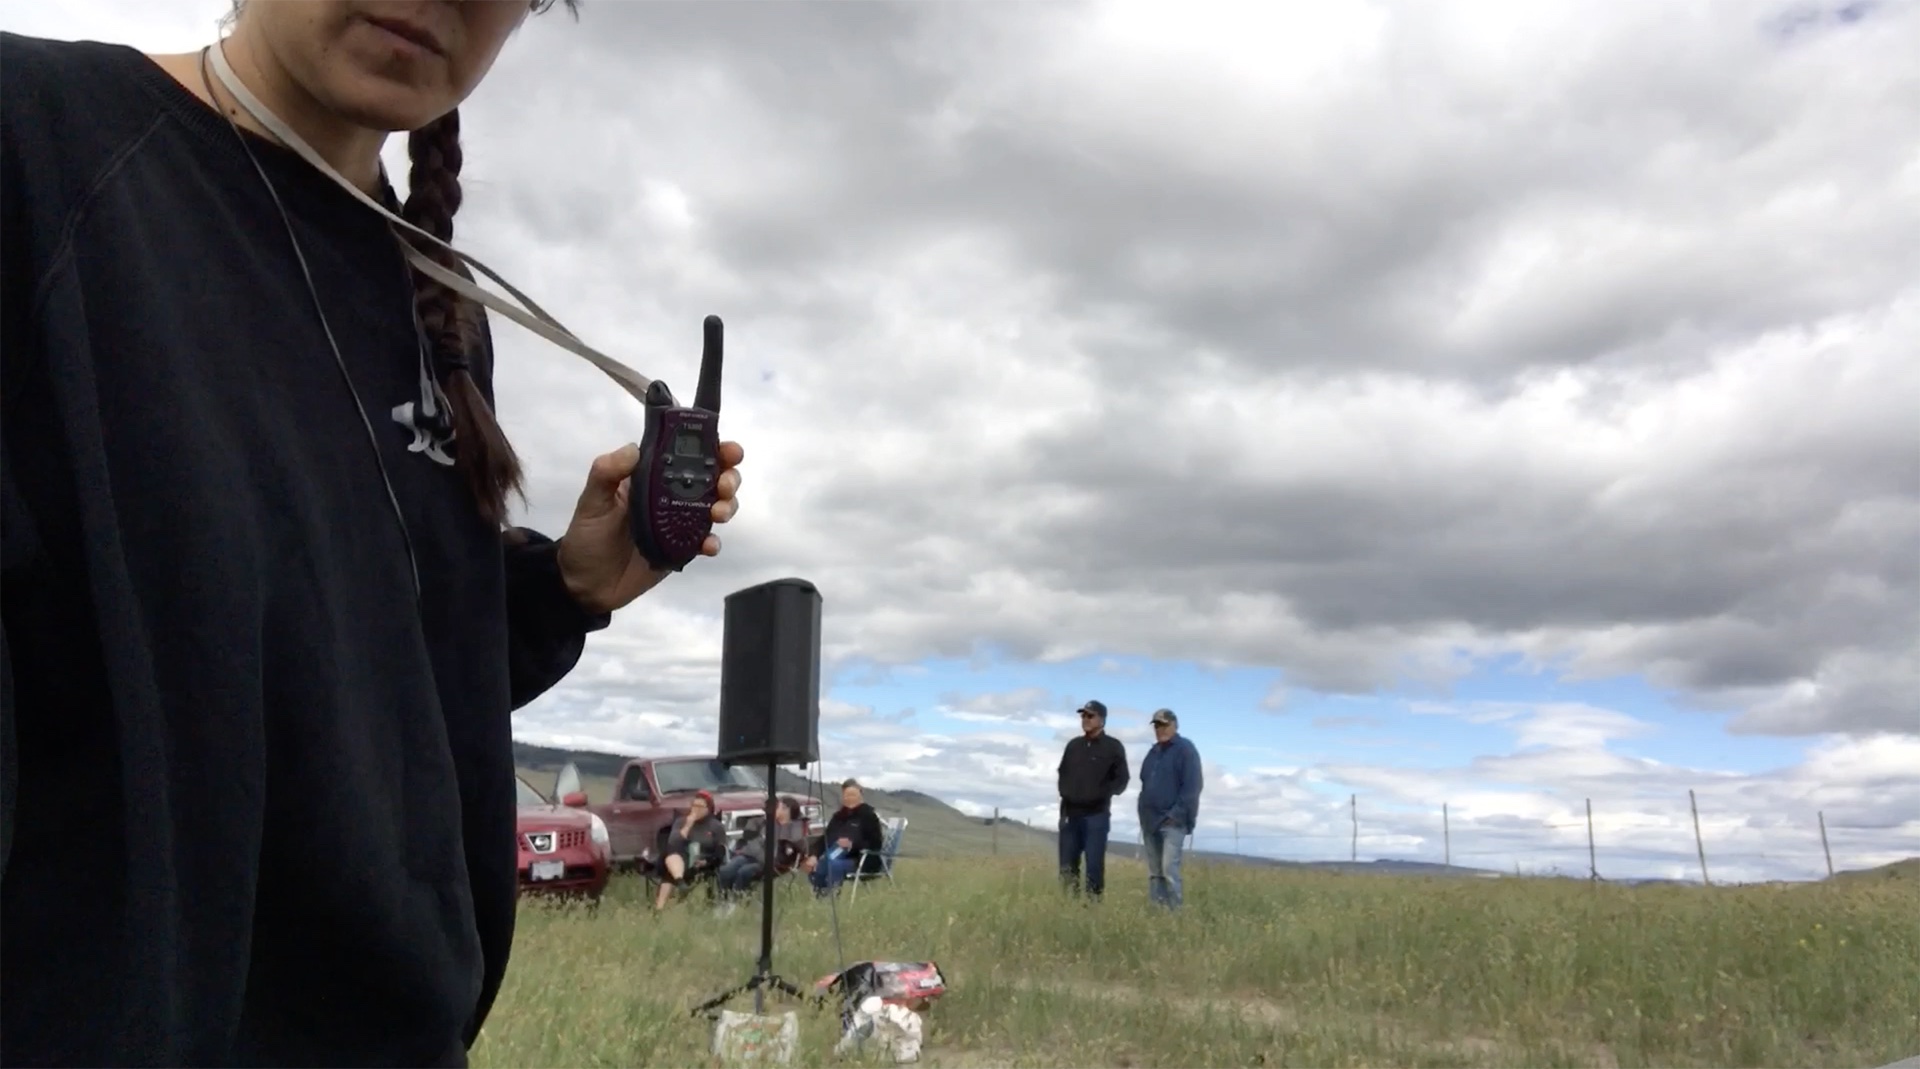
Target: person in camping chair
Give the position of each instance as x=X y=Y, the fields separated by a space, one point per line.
x=746 y=864
x=853 y=828
x=695 y=847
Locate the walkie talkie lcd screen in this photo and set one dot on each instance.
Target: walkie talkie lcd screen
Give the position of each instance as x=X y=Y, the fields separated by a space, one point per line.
x=687 y=444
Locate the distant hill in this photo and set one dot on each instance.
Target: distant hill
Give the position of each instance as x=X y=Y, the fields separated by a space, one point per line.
x=1904 y=869
x=936 y=829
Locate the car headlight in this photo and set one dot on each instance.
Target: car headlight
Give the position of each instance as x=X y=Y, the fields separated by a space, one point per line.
x=598 y=830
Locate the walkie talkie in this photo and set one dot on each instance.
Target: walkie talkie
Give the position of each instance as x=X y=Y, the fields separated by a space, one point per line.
x=670 y=499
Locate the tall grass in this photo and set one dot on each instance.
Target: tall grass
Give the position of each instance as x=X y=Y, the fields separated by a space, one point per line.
x=1263 y=967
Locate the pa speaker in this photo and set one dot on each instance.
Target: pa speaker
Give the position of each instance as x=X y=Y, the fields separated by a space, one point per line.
x=770 y=675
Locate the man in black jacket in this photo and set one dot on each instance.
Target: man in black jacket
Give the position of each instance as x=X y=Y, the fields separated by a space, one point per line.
x=1093 y=771
x=855 y=827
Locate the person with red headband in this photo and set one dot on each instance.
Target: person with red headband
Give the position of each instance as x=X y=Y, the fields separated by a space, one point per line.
x=696 y=845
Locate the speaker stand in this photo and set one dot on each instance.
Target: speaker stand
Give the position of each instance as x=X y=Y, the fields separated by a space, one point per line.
x=763 y=977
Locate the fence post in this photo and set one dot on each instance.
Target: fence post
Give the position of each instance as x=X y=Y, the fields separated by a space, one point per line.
x=1353 y=803
x=1824 y=848
x=1593 y=866
x=1236 y=838
x=1699 y=843
x=996 y=831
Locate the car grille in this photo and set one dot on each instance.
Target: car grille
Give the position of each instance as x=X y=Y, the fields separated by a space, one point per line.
x=546 y=842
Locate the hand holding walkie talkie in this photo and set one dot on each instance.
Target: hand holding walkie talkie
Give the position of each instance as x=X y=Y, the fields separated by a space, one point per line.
x=650 y=507
x=676 y=489
x=676 y=483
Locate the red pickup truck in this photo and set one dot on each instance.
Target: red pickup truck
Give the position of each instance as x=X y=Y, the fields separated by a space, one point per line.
x=653 y=792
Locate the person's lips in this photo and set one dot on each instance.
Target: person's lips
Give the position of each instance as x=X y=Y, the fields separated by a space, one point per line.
x=409 y=31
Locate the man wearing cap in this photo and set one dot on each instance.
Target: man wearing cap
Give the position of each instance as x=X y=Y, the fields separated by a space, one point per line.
x=1169 y=806
x=1093 y=770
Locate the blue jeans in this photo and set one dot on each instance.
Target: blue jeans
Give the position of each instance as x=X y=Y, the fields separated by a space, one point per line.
x=738 y=874
x=1162 y=848
x=831 y=872
x=1084 y=835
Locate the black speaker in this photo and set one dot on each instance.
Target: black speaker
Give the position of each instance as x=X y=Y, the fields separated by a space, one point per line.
x=770 y=675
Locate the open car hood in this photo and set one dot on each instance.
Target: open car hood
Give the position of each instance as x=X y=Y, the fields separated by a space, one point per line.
x=553 y=816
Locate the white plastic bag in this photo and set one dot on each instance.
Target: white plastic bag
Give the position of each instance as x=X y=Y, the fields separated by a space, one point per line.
x=745 y=1038
x=895 y=1028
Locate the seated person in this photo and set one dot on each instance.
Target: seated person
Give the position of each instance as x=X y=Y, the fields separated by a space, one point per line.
x=853 y=828
x=696 y=844
x=745 y=866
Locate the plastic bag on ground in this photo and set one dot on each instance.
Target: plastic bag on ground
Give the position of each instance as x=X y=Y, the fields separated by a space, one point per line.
x=912 y=984
x=892 y=1027
x=750 y=1039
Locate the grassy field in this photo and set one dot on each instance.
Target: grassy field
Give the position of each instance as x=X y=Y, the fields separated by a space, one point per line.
x=1264 y=968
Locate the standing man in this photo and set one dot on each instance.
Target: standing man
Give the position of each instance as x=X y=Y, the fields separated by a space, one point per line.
x=1169 y=806
x=1093 y=771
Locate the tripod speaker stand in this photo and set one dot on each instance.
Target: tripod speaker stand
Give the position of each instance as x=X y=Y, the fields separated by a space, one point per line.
x=763 y=976
x=769 y=715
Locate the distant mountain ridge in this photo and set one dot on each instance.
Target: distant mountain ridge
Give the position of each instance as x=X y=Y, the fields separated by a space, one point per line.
x=937 y=829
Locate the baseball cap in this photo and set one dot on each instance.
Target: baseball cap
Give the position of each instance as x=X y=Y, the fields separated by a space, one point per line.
x=1165 y=716
x=1095 y=707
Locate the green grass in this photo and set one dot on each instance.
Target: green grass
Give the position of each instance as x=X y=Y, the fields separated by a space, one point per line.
x=1265 y=967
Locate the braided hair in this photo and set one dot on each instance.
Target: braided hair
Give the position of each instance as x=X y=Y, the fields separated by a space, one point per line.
x=451 y=322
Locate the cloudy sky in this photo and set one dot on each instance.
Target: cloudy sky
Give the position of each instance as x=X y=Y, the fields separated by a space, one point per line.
x=1489 y=404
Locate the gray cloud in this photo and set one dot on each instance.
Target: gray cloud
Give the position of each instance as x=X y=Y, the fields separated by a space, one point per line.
x=1603 y=360
x=1356 y=345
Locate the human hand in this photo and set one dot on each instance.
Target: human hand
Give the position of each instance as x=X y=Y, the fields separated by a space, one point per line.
x=602 y=568
x=844 y=844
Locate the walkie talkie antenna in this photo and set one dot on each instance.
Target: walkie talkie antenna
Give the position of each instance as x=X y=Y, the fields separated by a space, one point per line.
x=707 y=394
x=677 y=480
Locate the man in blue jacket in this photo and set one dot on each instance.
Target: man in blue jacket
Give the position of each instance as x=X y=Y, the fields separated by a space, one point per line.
x=1169 y=806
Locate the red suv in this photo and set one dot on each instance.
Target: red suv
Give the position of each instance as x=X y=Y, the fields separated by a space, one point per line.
x=563 y=848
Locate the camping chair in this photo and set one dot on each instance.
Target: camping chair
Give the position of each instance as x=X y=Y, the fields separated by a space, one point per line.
x=653 y=874
x=702 y=881
x=786 y=870
x=896 y=827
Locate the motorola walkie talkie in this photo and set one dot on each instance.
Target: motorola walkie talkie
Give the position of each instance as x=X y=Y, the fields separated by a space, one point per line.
x=670 y=499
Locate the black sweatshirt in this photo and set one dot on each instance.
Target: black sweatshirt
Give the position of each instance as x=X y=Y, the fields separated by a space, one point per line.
x=258 y=801
x=859 y=825
x=1092 y=772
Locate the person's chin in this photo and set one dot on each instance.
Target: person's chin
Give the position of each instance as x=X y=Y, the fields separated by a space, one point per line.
x=393 y=110
x=393 y=100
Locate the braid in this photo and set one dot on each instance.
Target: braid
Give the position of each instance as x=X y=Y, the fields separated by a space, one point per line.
x=433 y=196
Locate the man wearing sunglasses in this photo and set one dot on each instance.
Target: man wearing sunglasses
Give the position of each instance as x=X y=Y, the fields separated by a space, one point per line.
x=1092 y=772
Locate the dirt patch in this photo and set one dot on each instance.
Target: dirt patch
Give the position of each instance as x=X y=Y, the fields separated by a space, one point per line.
x=955 y=1058
x=1280 y=1016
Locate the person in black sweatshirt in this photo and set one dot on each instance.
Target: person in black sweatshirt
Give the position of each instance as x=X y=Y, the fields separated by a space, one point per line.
x=854 y=827
x=264 y=617
x=1093 y=771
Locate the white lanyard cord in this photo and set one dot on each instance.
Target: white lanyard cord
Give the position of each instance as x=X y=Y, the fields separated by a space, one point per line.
x=544 y=325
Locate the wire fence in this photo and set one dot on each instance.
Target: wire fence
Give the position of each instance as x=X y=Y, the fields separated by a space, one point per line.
x=1637 y=846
